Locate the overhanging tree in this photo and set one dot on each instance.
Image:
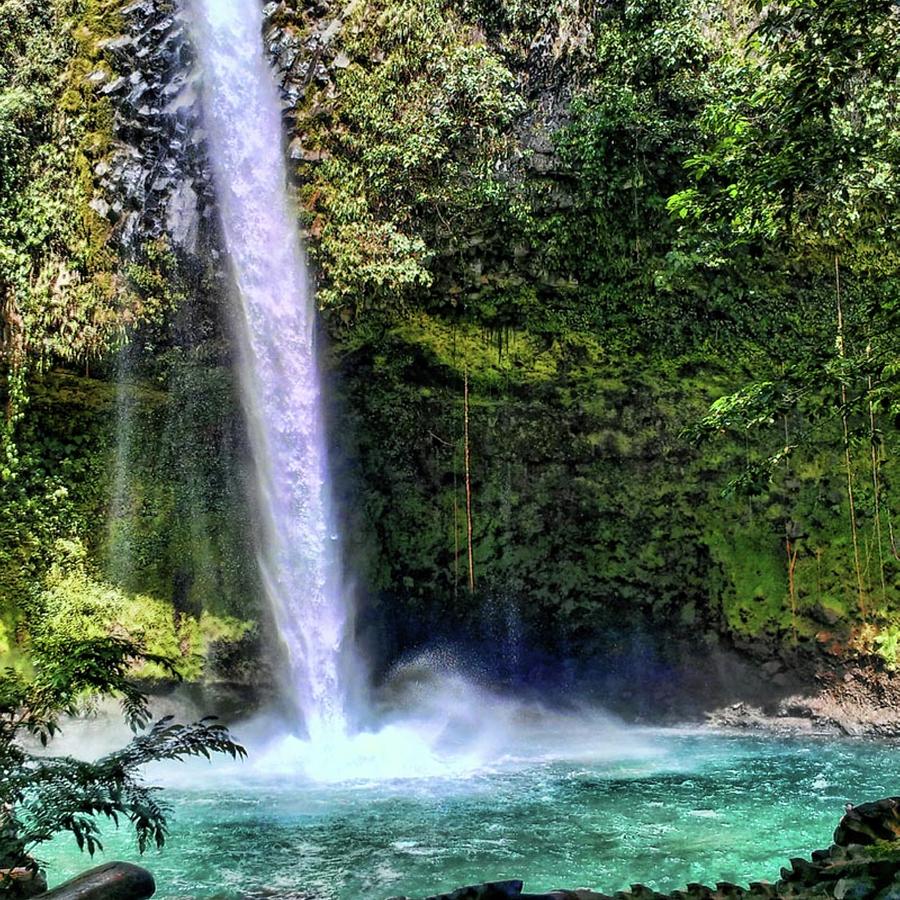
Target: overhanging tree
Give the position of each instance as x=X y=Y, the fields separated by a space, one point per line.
x=797 y=190
x=42 y=795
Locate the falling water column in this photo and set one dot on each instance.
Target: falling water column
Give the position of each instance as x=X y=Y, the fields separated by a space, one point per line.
x=298 y=552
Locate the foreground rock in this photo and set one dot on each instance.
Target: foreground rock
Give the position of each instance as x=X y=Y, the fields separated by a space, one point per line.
x=112 y=881
x=862 y=864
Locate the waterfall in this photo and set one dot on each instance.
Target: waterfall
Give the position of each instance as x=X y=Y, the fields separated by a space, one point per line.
x=298 y=548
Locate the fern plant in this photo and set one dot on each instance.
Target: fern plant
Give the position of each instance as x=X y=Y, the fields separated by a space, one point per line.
x=42 y=795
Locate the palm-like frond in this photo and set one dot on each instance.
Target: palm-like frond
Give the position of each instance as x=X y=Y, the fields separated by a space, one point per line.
x=42 y=796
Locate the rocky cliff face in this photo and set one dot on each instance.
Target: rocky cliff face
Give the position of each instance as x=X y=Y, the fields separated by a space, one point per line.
x=155 y=182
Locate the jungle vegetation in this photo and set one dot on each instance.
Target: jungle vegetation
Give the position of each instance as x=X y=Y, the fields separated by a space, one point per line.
x=646 y=251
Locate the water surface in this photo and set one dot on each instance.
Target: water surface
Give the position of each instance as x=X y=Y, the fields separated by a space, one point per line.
x=683 y=807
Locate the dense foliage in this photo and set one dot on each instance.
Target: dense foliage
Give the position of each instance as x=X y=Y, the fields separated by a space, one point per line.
x=41 y=795
x=658 y=241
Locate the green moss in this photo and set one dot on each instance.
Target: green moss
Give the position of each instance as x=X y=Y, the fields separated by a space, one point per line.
x=592 y=509
x=887 y=643
x=108 y=480
x=755 y=600
x=72 y=601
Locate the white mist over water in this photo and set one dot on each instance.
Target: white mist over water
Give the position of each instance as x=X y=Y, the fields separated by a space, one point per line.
x=440 y=726
x=299 y=556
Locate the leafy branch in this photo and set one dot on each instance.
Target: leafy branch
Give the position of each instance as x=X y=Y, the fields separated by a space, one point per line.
x=41 y=795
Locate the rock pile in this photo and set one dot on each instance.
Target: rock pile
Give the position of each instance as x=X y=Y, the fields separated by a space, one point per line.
x=862 y=864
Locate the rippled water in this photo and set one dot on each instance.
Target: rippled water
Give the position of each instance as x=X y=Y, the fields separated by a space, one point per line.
x=681 y=807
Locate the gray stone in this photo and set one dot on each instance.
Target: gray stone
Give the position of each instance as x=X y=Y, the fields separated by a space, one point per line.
x=144 y=7
x=118 y=44
x=494 y=890
x=331 y=31
x=99 y=206
x=182 y=220
x=114 y=86
x=163 y=25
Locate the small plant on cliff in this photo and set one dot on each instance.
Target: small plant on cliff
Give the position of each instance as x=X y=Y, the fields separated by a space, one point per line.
x=43 y=795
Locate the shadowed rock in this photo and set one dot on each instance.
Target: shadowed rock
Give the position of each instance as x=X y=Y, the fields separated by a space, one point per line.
x=870 y=822
x=22 y=883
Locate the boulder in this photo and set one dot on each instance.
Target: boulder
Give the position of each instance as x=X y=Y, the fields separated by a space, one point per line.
x=870 y=822
x=111 y=881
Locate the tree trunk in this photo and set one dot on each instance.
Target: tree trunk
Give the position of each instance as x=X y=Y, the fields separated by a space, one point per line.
x=455 y=538
x=876 y=484
x=792 y=552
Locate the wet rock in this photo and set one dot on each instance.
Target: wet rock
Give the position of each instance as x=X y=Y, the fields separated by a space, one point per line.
x=112 y=881
x=121 y=44
x=182 y=217
x=118 y=84
x=155 y=182
x=802 y=868
x=100 y=206
x=141 y=8
x=854 y=888
x=495 y=890
x=870 y=822
x=498 y=890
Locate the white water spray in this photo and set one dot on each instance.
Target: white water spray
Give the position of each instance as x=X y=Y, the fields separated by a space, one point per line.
x=298 y=551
